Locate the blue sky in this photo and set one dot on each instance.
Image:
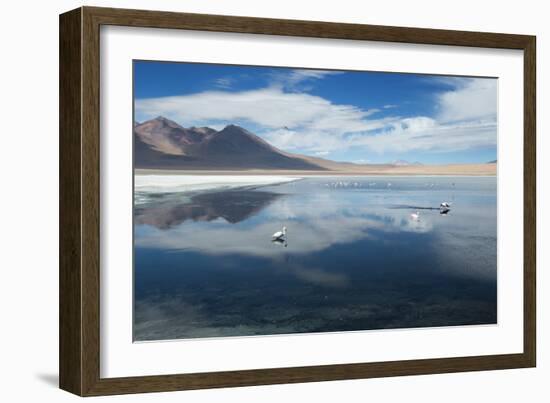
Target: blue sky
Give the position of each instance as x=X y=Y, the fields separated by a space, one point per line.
x=362 y=117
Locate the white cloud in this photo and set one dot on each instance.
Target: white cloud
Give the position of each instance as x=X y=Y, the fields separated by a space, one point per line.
x=426 y=134
x=472 y=99
x=224 y=82
x=293 y=79
x=302 y=122
x=267 y=107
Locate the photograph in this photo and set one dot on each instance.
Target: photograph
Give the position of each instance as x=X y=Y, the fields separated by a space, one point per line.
x=295 y=200
x=284 y=201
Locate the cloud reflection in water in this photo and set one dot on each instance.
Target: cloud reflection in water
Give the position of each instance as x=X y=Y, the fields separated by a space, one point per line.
x=351 y=262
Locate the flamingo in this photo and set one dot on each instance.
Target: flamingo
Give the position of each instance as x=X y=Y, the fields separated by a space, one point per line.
x=445 y=207
x=279 y=235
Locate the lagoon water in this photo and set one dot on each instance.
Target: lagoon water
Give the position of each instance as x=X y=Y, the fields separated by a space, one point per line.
x=205 y=265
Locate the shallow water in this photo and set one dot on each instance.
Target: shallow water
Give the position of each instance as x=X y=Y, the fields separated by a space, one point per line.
x=354 y=259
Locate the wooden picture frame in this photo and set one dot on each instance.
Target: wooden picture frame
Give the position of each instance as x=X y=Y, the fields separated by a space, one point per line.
x=79 y=346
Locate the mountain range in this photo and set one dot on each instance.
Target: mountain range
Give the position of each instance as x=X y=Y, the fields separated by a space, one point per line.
x=161 y=143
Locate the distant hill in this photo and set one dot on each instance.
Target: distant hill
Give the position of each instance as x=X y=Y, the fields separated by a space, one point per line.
x=403 y=163
x=492 y=162
x=161 y=143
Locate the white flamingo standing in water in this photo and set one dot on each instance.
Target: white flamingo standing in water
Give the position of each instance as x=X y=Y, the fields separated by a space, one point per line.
x=279 y=235
x=444 y=208
x=415 y=216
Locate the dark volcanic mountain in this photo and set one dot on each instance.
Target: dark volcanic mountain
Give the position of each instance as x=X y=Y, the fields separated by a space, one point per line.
x=163 y=144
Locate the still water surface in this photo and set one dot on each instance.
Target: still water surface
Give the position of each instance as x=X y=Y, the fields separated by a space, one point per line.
x=205 y=265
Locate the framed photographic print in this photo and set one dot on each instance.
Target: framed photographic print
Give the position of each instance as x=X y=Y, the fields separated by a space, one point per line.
x=250 y=201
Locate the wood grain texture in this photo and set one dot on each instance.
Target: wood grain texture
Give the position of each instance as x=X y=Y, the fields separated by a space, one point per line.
x=315 y=29
x=305 y=374
x=80 y=201
x=70 y=271
x=530 y=202
x=90 y=202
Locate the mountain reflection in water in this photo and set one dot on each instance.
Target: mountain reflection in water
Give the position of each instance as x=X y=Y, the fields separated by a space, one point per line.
x=232 y=205
x=205 y=264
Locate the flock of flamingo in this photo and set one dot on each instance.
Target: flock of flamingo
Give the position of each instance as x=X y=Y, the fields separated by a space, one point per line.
x=279 y=237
